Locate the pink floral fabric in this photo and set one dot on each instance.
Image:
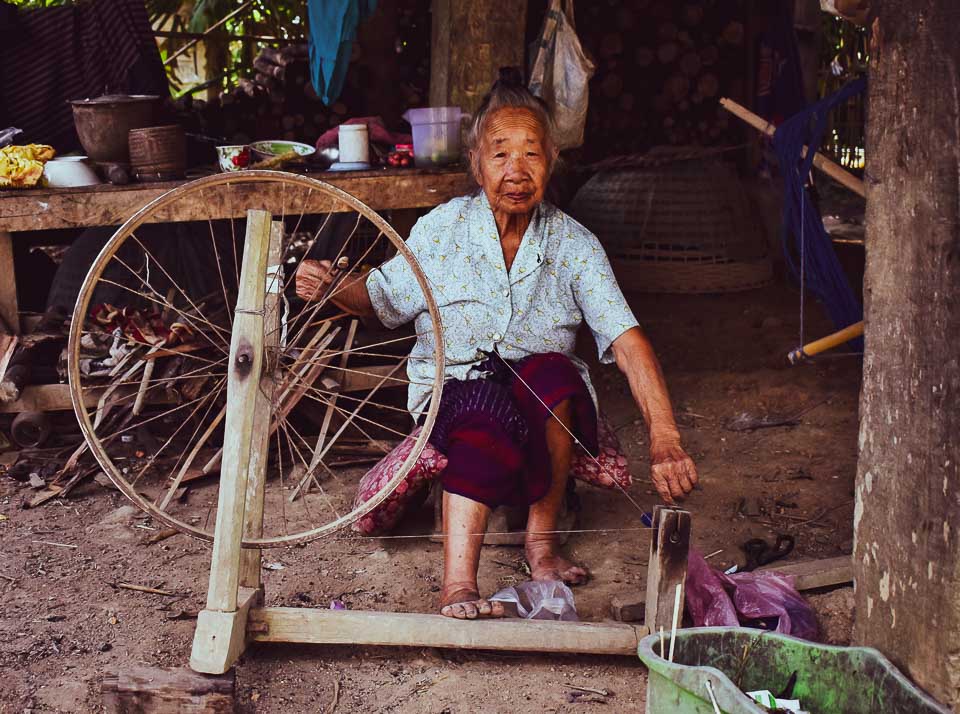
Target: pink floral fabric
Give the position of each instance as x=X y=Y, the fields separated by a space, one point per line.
x=612 y=468
x=384 y=517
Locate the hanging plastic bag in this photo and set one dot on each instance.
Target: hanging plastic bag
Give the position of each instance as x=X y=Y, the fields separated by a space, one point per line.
x=540 y=600
x=561 y=73
x=760 y=598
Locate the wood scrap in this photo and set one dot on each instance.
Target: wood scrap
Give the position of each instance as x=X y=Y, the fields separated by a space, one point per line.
x=162 y=535
x=157 y=689
x=17 y=372
x=814 y=574
x=144 y=589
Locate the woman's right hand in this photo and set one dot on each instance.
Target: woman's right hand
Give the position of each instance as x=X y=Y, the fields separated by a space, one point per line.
x=314 y=277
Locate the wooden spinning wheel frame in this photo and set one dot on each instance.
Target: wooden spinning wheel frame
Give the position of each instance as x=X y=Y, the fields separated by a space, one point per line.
x=248 y=358
x=308 y=354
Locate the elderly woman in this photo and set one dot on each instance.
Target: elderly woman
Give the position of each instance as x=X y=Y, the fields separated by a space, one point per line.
x=514 y=279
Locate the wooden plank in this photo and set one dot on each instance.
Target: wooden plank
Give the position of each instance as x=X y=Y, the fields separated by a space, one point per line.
x=112 y=205
x=813 y=574
x=221 y=637
x=56 y=397
x=136 y=688
x=667 y=565
x=9 y=308
x=354 y=627
x=243 y=383
x=260 y=440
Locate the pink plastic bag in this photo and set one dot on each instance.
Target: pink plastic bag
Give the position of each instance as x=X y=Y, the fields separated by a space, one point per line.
x=752 y=599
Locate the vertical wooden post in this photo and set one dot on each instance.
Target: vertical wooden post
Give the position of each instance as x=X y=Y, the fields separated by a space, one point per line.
x=260 y=438
x=667 y=567
x=472 y=39
x=907 y=512
x=221 y=627
x=9 y=309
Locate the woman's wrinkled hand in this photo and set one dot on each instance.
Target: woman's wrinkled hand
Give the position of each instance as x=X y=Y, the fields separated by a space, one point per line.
x=313 y=279
x=673 y=472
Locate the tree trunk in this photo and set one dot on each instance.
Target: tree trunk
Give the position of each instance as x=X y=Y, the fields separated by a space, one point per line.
x=907 y=517
x=471 y=41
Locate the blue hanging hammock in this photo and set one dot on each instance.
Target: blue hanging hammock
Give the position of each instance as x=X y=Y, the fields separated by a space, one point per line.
x=803 y=232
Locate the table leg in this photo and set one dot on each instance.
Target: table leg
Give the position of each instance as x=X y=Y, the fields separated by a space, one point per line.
x=9 y=310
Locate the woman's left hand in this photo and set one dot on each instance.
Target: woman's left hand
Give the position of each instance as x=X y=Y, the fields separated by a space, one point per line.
x=673 y=472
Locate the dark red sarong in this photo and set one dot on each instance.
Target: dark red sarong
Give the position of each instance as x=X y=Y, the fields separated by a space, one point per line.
x=493 y=430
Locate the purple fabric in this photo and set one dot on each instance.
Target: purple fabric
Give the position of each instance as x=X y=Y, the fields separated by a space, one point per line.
x=755 y=599
x=493 y=430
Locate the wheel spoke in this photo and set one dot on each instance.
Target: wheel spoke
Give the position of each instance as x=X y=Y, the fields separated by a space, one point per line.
x=214 y=393
x=223 y=335
x=146 y=297
x=223 y=285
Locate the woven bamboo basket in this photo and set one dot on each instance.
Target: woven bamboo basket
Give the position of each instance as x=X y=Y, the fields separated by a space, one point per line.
x=681 y=226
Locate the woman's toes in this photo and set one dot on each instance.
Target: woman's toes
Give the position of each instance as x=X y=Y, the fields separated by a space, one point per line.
x=496 y=609
x=484 y=608
x=576 y=575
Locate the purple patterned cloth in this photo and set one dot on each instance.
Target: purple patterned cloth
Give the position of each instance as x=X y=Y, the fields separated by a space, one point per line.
x=493 y=430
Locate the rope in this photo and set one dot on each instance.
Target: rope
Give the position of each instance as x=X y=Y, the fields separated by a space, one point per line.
x=803 y=230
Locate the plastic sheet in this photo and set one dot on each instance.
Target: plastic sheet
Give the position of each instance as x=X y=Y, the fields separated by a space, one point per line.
x=756 y=599
x=540 y=600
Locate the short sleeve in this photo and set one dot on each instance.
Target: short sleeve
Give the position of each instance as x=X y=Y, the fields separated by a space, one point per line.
x=394 y=291
x=597 y=293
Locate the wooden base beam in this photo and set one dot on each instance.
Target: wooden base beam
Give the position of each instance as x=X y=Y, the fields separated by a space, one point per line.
x=221 y=637
x=347 y=627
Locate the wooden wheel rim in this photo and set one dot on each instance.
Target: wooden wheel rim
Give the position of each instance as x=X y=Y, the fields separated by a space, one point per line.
x=83 y=304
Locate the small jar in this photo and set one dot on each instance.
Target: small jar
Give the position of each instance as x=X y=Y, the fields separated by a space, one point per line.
x=354 y=144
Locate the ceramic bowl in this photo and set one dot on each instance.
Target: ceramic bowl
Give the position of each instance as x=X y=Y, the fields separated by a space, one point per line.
x=69 y=172
x=263 y=150
x=233 y=158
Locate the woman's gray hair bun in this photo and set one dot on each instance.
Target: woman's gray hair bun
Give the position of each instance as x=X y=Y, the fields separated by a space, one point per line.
x=509 y=92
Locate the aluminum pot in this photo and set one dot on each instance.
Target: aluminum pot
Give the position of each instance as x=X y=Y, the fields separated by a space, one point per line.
x=104 y=123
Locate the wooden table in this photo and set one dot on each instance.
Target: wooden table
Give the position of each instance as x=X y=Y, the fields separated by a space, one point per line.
x=400 y=190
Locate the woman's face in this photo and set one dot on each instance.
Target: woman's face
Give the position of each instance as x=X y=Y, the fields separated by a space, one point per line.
x=511 y=161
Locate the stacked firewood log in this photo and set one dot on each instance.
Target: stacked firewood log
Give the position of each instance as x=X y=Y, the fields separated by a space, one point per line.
x=662 y=67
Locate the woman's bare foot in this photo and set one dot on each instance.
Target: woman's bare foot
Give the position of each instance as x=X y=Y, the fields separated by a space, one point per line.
x=546 y=564
x=464 y=603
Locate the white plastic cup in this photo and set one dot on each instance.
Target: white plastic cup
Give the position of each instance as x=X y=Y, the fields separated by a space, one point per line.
x=354 y=144
x=436 y=135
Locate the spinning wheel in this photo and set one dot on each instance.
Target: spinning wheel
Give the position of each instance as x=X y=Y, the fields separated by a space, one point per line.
x=190 y=354
x=150 y=344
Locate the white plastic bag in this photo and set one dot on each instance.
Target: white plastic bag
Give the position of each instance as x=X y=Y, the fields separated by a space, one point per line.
x=561 y=73
x=540 y=600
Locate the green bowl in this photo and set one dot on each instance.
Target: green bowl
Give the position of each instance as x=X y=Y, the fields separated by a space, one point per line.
x=263 y=150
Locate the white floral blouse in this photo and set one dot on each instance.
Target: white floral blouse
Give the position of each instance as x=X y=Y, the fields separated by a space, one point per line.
x=560 y=277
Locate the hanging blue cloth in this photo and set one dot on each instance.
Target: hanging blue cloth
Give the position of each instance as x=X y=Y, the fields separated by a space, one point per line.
x=803 y=231
x=333 y=28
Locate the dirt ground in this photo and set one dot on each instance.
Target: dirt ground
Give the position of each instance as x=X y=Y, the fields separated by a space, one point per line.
x=62 y=624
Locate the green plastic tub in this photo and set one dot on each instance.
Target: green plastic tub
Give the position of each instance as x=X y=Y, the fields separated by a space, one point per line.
x=829 y=680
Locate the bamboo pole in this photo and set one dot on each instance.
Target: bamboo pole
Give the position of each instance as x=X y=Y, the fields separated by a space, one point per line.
x=831 y=169
x=826 y=343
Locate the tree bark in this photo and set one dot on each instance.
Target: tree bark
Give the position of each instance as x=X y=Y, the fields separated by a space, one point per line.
x=907 y=517
x=471 y=41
